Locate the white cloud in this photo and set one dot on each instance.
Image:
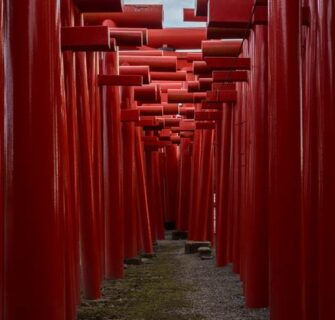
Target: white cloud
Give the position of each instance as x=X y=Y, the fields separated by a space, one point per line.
x=173 y=11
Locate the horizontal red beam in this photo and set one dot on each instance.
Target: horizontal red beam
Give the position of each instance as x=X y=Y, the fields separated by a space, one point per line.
x=127 y=38
x=119 y=80
x=193 y=86
x=169 y=76
x=230 y=76
x=133 y=16
x=227 y=33
x=221 y=48
x=175 y=140
x=188 y=112
x=222 y=96
x=228 y=63
x=205 y=84
x=212 y=105
x=142 y=71
x=146 y=94
x=223 y=86
x=169 y=122
x=155 y=63
x=230 y=13
x=205 y=125
x=99 y=5
x=176 y=38
x=208 y=115
x=87 y=39
x=193 y=56
x=182 y=96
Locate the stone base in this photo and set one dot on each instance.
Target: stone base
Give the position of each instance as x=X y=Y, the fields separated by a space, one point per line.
x=133 y=261
x=148 y=255
x=206 y=257
x=193 y=246
x=205 y=251
x=179 y=235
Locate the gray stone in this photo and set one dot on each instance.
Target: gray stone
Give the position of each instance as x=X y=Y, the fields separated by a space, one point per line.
x=205 y=251
x=133 y=261
x=193 y=246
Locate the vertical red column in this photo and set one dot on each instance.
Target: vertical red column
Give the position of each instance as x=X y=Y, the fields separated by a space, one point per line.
x=34 y=247
x=206 y=170
x=256 y=222
x=157 y=194
x=142 y=195
x=113 y=187
x=184 y=184
x=90 y=249
x=70 y=168
x=310 y=166
x=194 y=185
x=1 y=158
x=171 y=182
x=285 y=160
x=130 y=212
x=234 y=236
x=222 y=222
x=95 y=106
x=326 y=157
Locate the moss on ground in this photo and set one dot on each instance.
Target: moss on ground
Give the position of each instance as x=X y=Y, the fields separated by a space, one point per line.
x=150 y=291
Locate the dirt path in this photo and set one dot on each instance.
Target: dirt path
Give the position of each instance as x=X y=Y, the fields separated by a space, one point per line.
x=172 y=286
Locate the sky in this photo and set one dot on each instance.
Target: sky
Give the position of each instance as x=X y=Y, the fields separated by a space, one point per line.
x=173 y=11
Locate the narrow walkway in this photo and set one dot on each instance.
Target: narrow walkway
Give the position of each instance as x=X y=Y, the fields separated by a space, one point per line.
x=172 y=286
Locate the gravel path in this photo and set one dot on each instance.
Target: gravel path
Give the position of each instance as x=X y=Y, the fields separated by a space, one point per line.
x=218 y=291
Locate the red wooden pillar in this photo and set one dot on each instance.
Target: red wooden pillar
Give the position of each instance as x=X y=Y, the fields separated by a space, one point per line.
x=90 y=251
x=194 y=185
x=256 y=222
x=113 y=185
x=206 y=170
x=285 y=160
x=34 y=247
x=184 y=184
x=222 y=221
x=96 y=125
x=128 y=142
x=171 y=182
x=326 y=157
x=310 y=165
x=67 y=16
x=164 y=192
x=157 y=194
x=1 y=159
x=149 y=181
x=236 y=193
x=142 y=195
x=241 y=243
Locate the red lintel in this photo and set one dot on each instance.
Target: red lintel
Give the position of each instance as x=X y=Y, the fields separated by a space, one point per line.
x=119 y=80
x=228 y=63
x=87 y=39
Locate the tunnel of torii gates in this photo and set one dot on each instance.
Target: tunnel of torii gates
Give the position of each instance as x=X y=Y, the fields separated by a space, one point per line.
x=109 y=131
